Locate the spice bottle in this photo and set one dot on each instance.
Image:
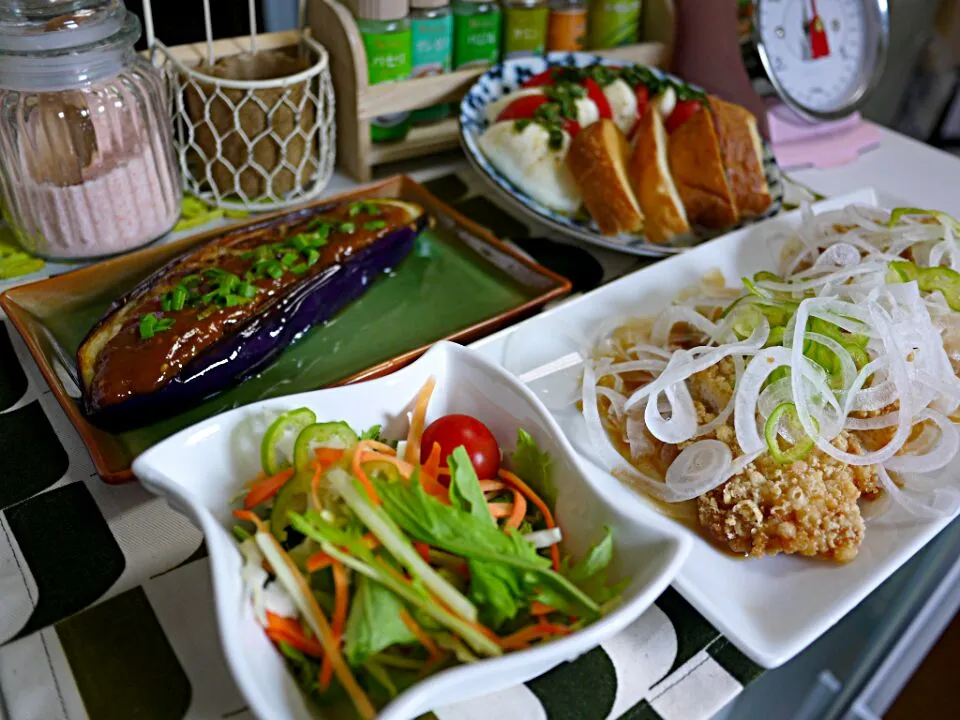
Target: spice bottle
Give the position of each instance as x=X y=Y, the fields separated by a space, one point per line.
x=385 y=30
x=524 y=27
x=87 y=166
x=613 y=23
x=431 y=23
x=567 y=25
x=476 y=33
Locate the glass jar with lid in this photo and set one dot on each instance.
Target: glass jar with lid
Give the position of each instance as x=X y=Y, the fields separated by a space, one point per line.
x=87 y=167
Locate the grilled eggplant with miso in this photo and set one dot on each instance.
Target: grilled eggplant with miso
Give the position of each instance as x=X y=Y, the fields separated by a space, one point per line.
x=222 y=312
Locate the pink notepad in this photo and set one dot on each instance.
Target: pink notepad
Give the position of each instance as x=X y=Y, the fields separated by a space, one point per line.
x=799 y=144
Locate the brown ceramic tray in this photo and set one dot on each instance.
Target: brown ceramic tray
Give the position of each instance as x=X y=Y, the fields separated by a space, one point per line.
x=459 y=283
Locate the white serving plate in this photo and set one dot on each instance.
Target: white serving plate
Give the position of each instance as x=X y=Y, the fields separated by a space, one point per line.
x=770 y=608
x=199 y=469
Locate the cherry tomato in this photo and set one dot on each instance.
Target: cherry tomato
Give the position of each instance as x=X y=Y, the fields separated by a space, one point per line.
x=683 y=111
x=522 y=108
x=595 y=93
x=452 y=431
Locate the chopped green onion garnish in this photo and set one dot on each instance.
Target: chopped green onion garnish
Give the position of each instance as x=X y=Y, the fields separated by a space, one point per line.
x=375 y=225
x=179 y=298
x=347 y=227
x=313 y=257
x=246 y=290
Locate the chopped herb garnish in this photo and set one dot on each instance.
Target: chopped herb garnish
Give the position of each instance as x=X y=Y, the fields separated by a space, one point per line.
x=179 y=298
x=313 y=257
x=150 y=325
x=368 y=208
x=347 y=227
x=374 y=225
x=521 y=125
x=288 y=259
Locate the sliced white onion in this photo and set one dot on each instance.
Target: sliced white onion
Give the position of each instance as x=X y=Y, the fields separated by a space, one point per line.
x=840 y=255
x=699 y=468
x=544 y=538
x=936 y=457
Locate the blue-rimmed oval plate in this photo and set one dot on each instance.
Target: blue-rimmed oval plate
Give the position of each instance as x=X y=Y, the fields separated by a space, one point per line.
x=507 y=77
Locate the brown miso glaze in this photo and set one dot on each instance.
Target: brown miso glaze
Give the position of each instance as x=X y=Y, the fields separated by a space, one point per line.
x=130 y=365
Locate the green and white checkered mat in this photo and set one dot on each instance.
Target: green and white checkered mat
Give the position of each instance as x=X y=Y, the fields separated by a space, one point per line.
x=105 y=598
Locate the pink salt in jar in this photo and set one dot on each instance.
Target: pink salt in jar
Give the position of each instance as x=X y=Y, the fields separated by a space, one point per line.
x=87 y=167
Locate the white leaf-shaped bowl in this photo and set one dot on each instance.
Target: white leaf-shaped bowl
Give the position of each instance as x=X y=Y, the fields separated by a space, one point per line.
x=201 y=468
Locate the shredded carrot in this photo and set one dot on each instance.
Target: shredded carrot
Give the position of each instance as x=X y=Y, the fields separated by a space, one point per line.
x=519 y=510
x=338 y=621
x=491 y=486
x=249 y=516
x=328 y=456
x=520 y=485
x=266 y=488
x=423 y=549
x=419 y=633
x=380 y=447
x=522 y=638
x=432 y=466
x=417 y=422
x=361 y=475
x=538 y=608
x=318 y=561
x=443 y=472
x=315 y=486
x=289 y=631
x=404 y=468
x=500 y=510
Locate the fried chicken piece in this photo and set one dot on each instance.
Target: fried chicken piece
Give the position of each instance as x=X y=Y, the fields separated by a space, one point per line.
x=809 y=507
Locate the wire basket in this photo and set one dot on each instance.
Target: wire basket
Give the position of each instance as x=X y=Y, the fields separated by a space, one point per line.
x=261 y=138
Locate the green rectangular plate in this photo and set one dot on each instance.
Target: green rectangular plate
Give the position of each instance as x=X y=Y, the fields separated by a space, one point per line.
x=459 y=283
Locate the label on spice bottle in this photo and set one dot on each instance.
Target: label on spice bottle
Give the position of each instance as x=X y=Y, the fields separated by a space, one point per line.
x=613 y=23
x=567 y=30
x=432 y=45
x=524 y=31
x=476 y=40
x=388 y=60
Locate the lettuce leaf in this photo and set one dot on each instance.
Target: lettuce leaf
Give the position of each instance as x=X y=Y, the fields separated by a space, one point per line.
x=534 y=467
x=465 y=492
x=374 y=622
x=372 y=433
x=443 y=526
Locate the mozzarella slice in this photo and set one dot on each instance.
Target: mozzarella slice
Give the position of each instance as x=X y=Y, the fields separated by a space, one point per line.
x=623 y=104
x=666 y=102
x=526 y=159
x=587 y=112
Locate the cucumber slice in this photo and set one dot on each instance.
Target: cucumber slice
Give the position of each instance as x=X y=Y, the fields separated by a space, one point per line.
x=288 y=424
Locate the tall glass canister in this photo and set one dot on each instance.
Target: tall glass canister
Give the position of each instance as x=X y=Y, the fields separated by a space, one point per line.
x=86 y=150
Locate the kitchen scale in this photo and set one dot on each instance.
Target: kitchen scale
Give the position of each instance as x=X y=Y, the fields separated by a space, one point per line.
x=815 y=61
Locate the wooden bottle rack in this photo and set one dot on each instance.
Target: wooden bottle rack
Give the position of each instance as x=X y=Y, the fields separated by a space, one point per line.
x=334 y=27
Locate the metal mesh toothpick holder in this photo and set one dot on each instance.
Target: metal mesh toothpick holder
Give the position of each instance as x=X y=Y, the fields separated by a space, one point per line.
x=253 y=129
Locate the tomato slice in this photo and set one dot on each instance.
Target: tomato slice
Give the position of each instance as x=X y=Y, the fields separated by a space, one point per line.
x=681 y=113
x=522 y=108
x=642 y=93
x=541 y=79
x=572 y=127
x=452 y=431
x=595 y=93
